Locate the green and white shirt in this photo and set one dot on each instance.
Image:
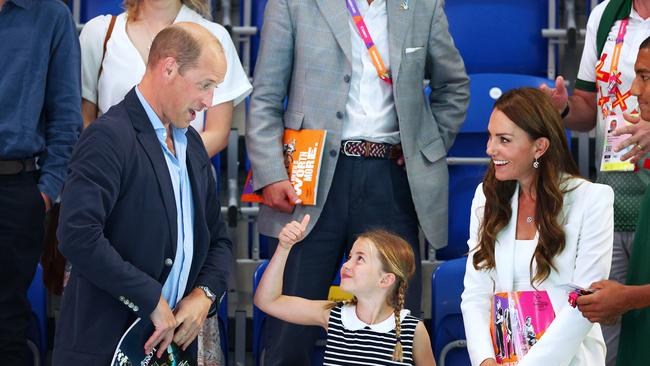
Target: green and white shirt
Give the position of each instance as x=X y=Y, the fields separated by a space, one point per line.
x=594 y=74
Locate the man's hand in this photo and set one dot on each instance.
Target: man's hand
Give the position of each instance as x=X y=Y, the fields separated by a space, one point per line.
x=164 y=325
x=46 y=201
x=400 y=161
x=280 y=196
x=190 y=314
x=559 y=95
x=293 y=232
x=606 y=304
x=640 y=139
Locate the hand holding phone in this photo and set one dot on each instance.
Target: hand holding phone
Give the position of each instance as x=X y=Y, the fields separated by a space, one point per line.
x=575 y=291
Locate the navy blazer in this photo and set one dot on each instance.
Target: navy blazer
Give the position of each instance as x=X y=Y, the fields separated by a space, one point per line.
x=118 y=229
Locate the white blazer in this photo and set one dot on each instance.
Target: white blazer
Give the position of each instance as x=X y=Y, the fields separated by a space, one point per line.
x=588 y=221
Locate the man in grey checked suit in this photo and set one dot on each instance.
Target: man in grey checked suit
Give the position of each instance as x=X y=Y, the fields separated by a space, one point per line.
x=312 y=53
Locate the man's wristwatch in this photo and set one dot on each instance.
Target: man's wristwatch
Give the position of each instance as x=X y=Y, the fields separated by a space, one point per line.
x=208 y=293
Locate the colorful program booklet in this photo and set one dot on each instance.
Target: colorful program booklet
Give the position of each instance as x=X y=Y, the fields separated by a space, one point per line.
x=130 y=350
x=519 y=320
x=611 y=160
x=303 y=154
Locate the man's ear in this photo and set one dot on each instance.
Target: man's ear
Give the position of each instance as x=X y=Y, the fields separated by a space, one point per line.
x=168 y=67
x=387 y=280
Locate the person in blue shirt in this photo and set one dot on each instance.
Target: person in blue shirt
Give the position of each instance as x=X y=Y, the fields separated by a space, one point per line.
x=140 y=218
x=40 y=120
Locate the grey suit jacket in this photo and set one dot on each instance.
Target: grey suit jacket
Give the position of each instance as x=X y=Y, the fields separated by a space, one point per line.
x=305 y=54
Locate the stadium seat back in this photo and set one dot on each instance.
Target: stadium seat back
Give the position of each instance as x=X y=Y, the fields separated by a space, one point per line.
x=446 y=316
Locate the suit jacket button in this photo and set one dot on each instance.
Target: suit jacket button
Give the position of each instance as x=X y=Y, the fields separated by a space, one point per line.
x=346 y=78
x=136 y=308
x=169 y=262
x=122 y=298
x=339 y=115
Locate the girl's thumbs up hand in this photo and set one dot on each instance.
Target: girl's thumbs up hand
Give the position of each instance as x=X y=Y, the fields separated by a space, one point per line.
x=293 y=232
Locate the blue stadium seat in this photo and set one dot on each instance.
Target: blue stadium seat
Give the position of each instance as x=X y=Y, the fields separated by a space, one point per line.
x=92 y=8
x=257 y=17
x=485 y=88
x=448 y=334
x=484 y=23
x=471 y=142
x=500 y=35
x=37 y=331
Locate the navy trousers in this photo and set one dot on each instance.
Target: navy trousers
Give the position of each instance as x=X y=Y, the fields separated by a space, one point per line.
x=365 y=194
x=22 y=213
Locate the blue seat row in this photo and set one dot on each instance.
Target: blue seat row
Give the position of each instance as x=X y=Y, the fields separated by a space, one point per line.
x=37 y=331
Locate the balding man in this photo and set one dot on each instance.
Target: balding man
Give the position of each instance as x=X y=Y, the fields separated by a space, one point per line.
x=140 y=219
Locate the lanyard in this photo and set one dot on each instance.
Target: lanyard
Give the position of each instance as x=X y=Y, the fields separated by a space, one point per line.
x=382 y=72
x=614 y=78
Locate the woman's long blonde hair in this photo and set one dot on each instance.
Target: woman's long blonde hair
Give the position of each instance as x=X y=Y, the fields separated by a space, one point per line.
x=200 y=6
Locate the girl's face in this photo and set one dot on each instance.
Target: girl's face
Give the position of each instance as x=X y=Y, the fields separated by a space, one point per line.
x=362 y=272
x=510 y=147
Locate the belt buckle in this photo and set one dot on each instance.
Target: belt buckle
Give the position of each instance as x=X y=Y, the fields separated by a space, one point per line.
x=345 y=148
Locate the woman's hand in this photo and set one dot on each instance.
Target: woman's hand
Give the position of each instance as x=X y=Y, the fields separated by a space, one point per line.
x=489 y=362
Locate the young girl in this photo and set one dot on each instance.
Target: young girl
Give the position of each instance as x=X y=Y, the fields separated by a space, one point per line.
x=372 y=328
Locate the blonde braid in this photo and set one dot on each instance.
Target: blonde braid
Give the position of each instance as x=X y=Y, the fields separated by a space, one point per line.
x=332 y=304
x=398 y=353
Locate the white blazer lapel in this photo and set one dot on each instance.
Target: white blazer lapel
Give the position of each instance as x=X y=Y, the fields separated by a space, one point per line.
x=505 y=249
x=570 y=185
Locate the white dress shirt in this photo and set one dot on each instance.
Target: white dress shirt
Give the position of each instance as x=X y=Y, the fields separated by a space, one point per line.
x=370 y=109
x=176 y=282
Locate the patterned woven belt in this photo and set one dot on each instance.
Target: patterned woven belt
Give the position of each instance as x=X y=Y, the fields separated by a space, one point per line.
x=367 y=149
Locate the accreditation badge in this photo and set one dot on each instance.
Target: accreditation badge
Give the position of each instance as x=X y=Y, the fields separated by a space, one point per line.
x=611 y=160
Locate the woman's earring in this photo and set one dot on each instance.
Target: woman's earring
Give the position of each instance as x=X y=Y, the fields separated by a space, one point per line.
x=536 y=164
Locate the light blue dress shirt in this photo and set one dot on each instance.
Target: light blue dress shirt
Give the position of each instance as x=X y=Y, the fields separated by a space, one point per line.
x=176 y=282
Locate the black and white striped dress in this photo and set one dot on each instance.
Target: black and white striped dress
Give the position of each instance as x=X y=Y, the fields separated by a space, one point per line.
x=352 y=342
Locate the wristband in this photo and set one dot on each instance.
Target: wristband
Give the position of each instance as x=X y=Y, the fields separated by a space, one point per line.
x=566 y=111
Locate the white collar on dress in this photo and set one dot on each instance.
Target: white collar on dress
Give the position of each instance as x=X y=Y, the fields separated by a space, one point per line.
x=352 y=322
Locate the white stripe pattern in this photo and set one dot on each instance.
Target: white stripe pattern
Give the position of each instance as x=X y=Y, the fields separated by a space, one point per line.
x=366 y=346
